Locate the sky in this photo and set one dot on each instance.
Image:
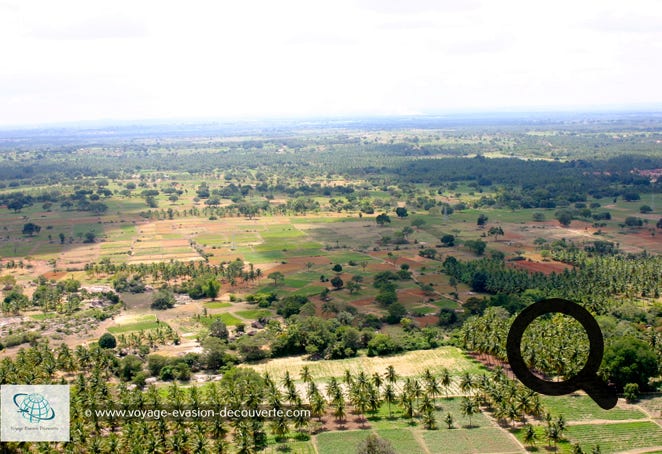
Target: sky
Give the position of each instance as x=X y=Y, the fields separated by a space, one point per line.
x=71 y=60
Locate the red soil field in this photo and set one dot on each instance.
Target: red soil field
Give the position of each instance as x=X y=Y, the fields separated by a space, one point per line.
x=540 y=267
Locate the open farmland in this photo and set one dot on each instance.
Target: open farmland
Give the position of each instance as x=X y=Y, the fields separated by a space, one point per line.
x=371 y=274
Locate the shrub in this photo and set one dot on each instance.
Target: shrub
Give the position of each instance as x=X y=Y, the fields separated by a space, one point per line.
x=163 y=299
x=107 y=340
x=631 y=392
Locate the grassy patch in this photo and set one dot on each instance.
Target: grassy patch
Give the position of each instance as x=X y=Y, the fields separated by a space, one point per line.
x=541 y=444
x=295 y=283
x=578 y=407
x=264 y=256
x=81 y=229
x=479 y=439
x=402 y=440
x=295 y=447
x=309 y=290
x=45 y=316
x=228 y=319
x=217 y=304
x=616 y=437
x=254 y=314
x=445 y=303
x=143 y=323
x=340 y=442
x=423 y=310
x=345 y=257
x=16 y=249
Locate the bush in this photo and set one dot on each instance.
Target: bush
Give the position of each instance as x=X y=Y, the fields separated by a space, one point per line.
x=476 y=246
x=107 y=340
x=564 y=217
x=448 y=240
x=395 y=313
x=167 y=373
x=130 y=366
x=133 y=285
x=337 y=282
x=218 y=329
x=632 y=221
x=163 y=299
x=13 y=340
x=155 y=363
x=290 y=305
x=140 y=380
x=630 y=360
x=631 y=392
x=374 y=444
x=631 y=196
x=447 y=317
x=383 y=344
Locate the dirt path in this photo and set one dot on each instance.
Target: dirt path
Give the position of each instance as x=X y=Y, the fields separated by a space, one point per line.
x=420 y=441
x=640 y=450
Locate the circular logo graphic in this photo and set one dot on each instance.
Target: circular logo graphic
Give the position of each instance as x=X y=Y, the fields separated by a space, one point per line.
x=34 y=407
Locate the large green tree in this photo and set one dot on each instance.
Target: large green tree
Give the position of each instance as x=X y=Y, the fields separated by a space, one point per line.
x=629 y=360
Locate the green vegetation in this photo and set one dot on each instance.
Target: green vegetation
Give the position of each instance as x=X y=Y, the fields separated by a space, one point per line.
x=228 y=319
x=616 y=437
x=581 y=407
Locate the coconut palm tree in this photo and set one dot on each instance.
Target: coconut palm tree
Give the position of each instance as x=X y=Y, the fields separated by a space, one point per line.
x=377 y=380
x=466 y=383
x=339 y=410
x=317 y=405
x=432 y=387
x=305 y=374
x=530 y=435
x=390 y=375
x=445 y=379
x=389 y=396
x=469 y=408
x=449 y=420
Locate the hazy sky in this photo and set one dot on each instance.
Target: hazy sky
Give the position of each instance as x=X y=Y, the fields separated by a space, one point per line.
x=85 y=60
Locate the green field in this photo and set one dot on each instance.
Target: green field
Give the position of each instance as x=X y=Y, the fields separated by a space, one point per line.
x=580 y=407
x=294 y=447
x=43 y=316
x=616 y=437
x=144 y=323
x=228 y=319
x=476 y=440
x=254 y=314
x=402 y=440
x=217 y=304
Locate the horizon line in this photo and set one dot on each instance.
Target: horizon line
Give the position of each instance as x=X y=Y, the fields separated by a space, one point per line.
x=644 y=109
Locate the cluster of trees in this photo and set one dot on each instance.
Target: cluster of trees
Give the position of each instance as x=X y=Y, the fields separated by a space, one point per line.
x=594 y=281
x=386 y=283
x=65 y=297
x=196 y=275
x=343 y=335
x=532 y=184
x=558 y=347
x=92 y=372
